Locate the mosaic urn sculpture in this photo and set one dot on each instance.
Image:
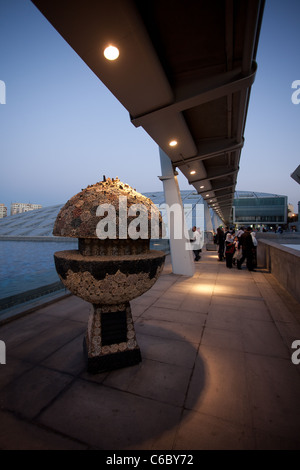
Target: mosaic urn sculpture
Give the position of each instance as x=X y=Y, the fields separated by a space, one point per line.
x=112 y=266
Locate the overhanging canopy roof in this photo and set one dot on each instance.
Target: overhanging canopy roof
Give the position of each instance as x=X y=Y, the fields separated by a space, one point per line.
x=184 y=73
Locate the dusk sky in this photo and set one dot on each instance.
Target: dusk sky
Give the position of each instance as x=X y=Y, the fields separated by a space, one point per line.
x=61 y=129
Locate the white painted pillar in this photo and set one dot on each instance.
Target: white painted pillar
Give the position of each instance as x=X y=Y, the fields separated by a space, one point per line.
x=216 y=221
x=182 y=258
x=208 y=222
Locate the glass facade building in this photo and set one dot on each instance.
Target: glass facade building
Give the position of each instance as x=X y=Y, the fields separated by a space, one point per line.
x=259 y=209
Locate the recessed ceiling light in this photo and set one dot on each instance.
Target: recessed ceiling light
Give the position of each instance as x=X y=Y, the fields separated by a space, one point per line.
x=201 y=187
x=206 y=195
x=193 y=172
x=111 y=52
x=173 y=143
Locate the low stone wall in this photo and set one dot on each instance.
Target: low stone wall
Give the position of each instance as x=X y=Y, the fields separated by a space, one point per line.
x=285 y=237
x=21 y=238
x=282 y=262
x=12 y=301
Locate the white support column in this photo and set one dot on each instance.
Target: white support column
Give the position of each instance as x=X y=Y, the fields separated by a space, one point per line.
x=216 y=221
x=208 y=222
x=182 y=258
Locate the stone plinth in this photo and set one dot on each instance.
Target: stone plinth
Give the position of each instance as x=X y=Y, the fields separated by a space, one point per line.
x=110 y=341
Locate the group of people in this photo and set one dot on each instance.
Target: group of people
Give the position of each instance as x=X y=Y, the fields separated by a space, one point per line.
x=236 y=247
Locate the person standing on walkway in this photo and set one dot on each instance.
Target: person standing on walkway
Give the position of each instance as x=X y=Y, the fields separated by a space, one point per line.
x=229 y=248
x=240 y=231
x=221 y=243
x=226 y=231
x=254 y=250
x=237 y=252
x=196 y=243
x=246 y=244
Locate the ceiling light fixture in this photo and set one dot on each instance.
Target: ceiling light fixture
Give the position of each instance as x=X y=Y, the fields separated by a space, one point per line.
x=193 y=172
x=111 y=52
x=173 y=143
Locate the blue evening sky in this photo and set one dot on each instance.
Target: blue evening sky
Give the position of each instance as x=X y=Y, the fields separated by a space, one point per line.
x=61 y=129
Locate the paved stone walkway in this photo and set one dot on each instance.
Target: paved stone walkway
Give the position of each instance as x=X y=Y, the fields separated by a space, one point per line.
x=216 y=371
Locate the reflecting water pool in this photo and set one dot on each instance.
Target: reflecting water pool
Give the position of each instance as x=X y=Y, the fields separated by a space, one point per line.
x=26 y=265
x=295 y=247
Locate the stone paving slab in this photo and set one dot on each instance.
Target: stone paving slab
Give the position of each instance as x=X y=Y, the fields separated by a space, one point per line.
x=160 y=381
x=216 y=370
x=17 y=434
x=170 y=329
x=220 y=375
x=274 y=396
x=31 y=392
x=107 y=418
x=207 y=432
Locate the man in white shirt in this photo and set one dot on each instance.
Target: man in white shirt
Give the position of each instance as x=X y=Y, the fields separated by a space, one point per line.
x=196 y=243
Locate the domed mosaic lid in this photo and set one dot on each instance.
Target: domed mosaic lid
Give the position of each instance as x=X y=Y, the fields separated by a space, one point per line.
x=111 y=199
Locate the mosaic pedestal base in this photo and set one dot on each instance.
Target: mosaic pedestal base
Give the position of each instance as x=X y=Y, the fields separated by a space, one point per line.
x=110 y=341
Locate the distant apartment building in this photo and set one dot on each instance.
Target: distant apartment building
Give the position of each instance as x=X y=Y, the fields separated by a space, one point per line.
x=3 y=211
x=19 y=207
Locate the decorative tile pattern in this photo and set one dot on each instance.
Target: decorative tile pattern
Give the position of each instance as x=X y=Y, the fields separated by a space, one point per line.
x=94 y=331
x=108 y=273
x=78 y=218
